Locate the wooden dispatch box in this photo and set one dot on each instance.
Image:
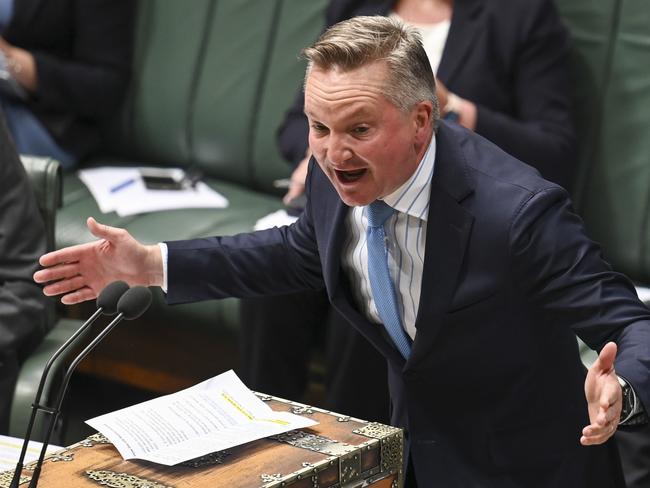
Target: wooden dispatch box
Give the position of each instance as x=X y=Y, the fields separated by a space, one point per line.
x=339 y=452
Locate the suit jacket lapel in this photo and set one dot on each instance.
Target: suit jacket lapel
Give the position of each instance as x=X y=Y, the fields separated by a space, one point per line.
x=465 y=25
x=334 y=246
x=448 y=229
x=343 y=302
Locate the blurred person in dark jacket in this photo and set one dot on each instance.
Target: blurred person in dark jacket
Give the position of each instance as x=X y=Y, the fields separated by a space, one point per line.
x=23 y=309
x=66 y=65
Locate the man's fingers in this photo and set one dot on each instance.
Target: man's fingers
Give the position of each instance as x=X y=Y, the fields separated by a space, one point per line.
x=57 y=272
x=605 y=361
x=70 y=254
x=595 y=434
x=65 y=286
x=103 y=231
x=610 y=394
x=606 y=416
x=79 y=296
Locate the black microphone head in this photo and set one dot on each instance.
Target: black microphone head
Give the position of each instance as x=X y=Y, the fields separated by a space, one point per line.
x=109 y=297
x=134 y=302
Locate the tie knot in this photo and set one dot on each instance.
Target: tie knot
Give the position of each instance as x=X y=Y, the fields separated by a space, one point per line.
x=378 y=212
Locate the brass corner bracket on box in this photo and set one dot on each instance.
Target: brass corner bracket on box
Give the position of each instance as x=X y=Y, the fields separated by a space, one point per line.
x=389 y=441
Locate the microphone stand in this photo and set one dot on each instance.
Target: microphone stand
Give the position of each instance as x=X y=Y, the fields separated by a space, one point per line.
x=55 y=412
x=36 y=406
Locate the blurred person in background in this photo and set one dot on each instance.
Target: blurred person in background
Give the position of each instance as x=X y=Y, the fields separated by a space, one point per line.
x=65 y=68
x=23 y=309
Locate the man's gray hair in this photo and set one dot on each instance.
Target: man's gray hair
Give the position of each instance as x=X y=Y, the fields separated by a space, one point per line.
x=362 y=40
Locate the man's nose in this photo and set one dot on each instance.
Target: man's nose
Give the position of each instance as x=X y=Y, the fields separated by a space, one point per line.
x=338 y=150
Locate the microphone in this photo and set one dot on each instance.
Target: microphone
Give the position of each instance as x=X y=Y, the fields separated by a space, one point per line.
x=131 y=305
x=107 y=303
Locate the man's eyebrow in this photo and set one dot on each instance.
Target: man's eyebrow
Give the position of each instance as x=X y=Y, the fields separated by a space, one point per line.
x=358 y=112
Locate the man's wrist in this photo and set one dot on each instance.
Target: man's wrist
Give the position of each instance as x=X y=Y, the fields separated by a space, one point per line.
x=155 y=266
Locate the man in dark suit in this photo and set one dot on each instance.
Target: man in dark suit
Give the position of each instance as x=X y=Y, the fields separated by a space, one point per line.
x=505 y=63
x=468 y=271
x=23 y=311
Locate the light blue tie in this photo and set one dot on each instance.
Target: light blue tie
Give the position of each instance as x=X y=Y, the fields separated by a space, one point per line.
x=383 y=290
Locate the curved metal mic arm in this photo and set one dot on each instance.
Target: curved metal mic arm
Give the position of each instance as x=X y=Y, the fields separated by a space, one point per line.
x=36 y=406
x=64 y=387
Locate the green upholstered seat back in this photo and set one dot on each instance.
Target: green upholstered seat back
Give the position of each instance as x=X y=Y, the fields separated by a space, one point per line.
x=611 y=79
x=228 y=85
x=211 y=84
x=46 y=180
x=153 y=124
x=298 y=24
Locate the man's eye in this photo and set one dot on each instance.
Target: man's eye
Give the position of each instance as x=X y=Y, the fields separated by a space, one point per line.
x=360 y=130
x=319 y=127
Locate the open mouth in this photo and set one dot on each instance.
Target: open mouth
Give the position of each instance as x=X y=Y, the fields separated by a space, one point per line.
x=350 y=176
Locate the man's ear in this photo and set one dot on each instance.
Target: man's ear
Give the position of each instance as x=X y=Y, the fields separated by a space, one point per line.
x=422 y=118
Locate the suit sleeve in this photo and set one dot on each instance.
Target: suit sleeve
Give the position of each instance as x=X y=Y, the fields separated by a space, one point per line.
x=539 y=131
x=275 y=261
x=100 y=64
x=567 y=281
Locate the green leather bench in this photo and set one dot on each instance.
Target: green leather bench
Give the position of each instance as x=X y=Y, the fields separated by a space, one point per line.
x=611 y=80
x=210 y=86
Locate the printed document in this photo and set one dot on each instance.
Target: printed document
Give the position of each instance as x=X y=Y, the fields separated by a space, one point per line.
x=216 y=414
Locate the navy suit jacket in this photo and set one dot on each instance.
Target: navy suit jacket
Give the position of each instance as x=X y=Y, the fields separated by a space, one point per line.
x=510 y=59
x=493 y=392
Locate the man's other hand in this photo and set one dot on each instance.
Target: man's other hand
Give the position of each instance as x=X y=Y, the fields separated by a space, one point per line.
x=604 y=398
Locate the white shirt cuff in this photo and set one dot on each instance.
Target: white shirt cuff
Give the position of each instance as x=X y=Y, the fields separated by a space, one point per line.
x=163 y=252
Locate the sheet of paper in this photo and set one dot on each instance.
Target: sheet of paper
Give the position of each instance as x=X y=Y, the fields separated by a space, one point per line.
x=122 y=190
x=10 y=448
x=275 y=219
x=643 y=293
x=216 y=414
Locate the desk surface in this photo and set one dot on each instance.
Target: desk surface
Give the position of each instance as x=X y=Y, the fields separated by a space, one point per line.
x=338 y=450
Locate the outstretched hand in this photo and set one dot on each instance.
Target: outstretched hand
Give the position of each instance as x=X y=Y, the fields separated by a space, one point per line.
x=604 y=398
x=80 y=272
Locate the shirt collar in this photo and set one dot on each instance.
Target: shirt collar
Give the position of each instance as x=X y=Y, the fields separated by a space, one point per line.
x=412 y=197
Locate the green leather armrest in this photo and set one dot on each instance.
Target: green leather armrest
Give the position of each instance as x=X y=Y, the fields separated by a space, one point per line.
x=46 y=180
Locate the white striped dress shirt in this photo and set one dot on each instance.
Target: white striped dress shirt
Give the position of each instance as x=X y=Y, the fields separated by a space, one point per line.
x=406 y=232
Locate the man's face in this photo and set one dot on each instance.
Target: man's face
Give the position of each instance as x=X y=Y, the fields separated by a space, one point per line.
x=366 y=146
